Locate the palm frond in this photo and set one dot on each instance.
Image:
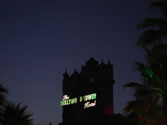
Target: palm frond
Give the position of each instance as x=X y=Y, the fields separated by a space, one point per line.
x=158 y=91
x=133 y=85
x=152 y=23
x=2 y=89
x=158 y=54
x=142 y=93
x=16 y=114
x=149 y=37
x=134 y=106
x=140 y=66
x=158 y=4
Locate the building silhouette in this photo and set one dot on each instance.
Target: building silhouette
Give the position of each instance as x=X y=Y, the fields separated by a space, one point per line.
x=96 y=81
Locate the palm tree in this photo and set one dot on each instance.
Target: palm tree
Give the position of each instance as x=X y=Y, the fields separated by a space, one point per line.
x=148 y=95
x=154 y=40
x=155 y=29
x=143 y=112
x=3 y=100
x=154 y=73
x=16 y=115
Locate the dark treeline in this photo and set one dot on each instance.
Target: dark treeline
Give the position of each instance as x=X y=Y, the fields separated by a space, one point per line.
x=11 y=113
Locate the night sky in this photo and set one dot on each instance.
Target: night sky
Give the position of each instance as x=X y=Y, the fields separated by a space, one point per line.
x=39 y=39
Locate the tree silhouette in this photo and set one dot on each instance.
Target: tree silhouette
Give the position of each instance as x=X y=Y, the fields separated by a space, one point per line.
x=16 y=115
x=3 y=100
x=154 y=73
x=155 y=29
x=146 y=107
x=154 y=41
x=154 y=36
x=3 y=91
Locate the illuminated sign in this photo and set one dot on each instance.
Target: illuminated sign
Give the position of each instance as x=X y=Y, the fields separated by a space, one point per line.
x=67 y=101
x=87 y=97
x=65 y=97
x=90 y=104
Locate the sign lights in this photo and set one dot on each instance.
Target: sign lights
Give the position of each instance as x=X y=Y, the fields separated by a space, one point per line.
x=90 y=104
x=65 y=97
x=86 y=98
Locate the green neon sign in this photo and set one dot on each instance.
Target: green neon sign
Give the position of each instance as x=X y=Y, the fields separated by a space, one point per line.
x=88 y=97
x=67 y=101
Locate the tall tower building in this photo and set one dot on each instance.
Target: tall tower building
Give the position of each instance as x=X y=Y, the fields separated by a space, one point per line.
x=88 y=94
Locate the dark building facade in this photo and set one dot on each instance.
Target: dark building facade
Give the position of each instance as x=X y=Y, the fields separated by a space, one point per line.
x=88 y=94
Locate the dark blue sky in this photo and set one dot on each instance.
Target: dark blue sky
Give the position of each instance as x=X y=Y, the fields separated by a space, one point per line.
x=40 y=38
